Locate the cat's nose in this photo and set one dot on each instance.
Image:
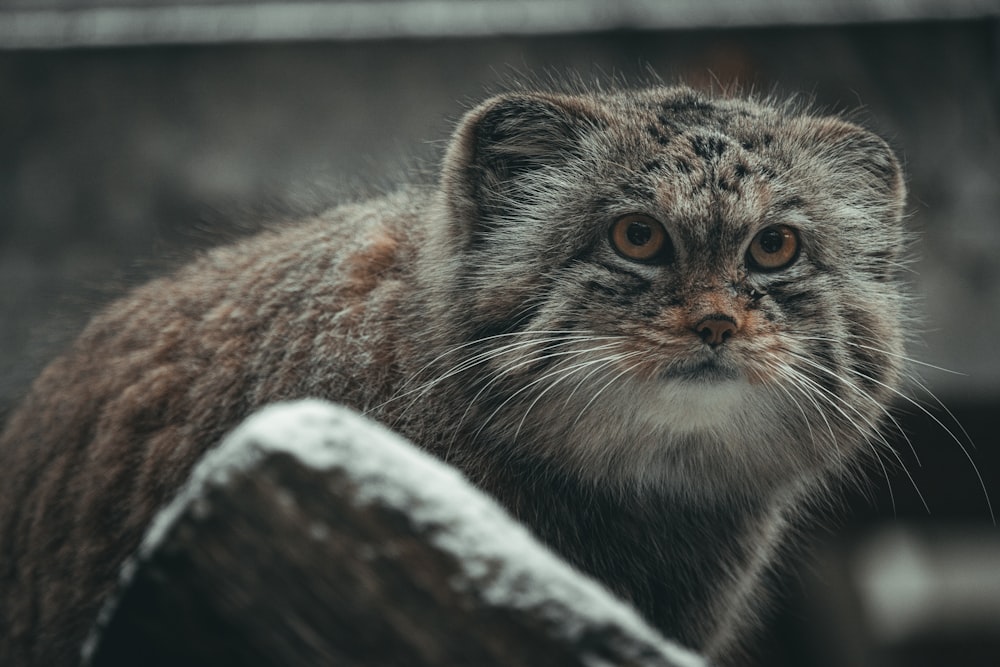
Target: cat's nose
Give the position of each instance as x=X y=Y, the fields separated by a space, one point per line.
x=715 y=329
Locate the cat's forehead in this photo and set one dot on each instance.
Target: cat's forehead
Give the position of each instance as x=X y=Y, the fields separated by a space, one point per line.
x=663 y=112
x=707 y=165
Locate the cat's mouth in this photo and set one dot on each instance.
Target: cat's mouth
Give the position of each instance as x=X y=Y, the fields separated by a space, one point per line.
x=703 y=370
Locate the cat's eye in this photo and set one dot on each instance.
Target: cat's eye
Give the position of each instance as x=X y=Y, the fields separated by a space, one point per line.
x=773 y=248
x=640 y=238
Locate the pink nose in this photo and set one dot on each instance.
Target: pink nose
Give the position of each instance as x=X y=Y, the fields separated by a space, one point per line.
x=715 y=329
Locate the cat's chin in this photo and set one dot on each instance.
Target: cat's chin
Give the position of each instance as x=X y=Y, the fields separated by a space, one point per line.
x=706 y=433
x=703 y=371
x=708 y=395
x=711 y=399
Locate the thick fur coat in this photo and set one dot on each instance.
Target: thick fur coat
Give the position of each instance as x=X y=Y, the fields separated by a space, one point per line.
x=654 y=412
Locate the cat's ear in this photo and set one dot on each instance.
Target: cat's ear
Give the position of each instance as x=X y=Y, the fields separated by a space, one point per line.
x=863 y=162
x=504 y=140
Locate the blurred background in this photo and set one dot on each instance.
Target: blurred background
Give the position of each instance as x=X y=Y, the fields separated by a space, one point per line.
x=133 y=132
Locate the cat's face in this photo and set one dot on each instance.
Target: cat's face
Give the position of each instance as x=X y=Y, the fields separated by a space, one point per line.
x=666 y=286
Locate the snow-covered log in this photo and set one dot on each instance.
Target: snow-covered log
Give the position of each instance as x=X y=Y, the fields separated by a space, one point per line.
x=312 y=536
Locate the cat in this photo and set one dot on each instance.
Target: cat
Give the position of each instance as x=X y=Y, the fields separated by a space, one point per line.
x=653 y=323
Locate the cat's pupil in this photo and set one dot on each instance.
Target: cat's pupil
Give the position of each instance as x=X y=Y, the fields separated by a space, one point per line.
x=771 y=241
x=639 y=234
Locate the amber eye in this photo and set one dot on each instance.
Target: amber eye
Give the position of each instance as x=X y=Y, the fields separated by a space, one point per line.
x=773 y=248
x=640 y=238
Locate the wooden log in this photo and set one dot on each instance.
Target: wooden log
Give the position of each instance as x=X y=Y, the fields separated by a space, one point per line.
x=312 y=536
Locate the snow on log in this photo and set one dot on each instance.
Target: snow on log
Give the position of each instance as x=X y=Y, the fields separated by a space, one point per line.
x=313 y=536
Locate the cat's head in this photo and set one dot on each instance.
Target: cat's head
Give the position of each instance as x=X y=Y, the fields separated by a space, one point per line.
x=665 y=285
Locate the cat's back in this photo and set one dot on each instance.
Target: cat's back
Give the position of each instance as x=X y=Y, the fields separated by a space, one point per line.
x=111 y=428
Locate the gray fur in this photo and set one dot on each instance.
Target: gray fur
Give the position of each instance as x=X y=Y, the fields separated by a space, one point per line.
x=490 y=321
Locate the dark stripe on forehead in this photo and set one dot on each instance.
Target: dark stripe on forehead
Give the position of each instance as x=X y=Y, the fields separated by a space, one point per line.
x=643 y=191
x=669 y=125
x=685 y=102
x=658 y=135
x=708 y=148
x=787 y=204
x=757 y=141
x=652 y=165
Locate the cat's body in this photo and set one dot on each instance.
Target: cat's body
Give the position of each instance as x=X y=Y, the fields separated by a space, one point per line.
x=652 y=417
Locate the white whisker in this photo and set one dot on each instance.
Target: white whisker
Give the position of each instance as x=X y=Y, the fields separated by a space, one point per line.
x=944 y=407
x=863 y=394
x=874 y=428
x=965 y=450
x=481 y=358
x=506 y=370
x=888 y=353
x=608 y=384
x=773 y=366
x=601 y=363
x=566 y=373
x=831 y=399
x=477 y=342
x=523 y=389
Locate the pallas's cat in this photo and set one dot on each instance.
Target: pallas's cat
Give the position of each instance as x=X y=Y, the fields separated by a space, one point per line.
x=651 y=323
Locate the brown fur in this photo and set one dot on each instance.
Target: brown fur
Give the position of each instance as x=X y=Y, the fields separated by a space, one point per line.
x=489 y=321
